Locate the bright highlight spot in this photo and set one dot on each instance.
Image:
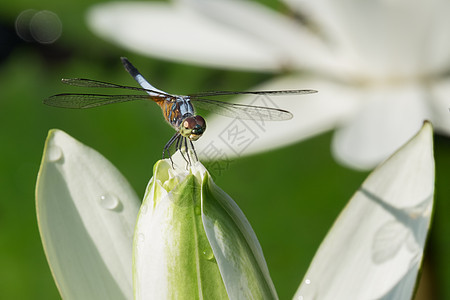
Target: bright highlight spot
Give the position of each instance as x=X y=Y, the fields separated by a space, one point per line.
x=43 y=26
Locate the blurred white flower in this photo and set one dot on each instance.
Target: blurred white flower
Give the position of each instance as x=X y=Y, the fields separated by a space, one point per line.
x=380 y=66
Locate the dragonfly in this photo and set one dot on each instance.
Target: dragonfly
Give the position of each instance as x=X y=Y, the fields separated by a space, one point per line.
x=178 y=110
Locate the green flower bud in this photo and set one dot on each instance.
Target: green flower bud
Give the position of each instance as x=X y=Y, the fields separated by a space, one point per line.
x=193 y=242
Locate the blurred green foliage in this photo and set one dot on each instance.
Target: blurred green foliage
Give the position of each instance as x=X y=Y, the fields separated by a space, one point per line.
x=291 y=196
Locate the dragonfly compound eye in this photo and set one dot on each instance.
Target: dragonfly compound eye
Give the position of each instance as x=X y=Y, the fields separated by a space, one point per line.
x=189 y=123
x=193 y=127
x=201 y=122
x=200 y=126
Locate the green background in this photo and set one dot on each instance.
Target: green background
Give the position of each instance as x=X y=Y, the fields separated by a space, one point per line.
x=291 y=196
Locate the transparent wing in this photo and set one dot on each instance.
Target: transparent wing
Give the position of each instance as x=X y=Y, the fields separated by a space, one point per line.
x=268 y=93
x=242 y=111
x=90 y=100
x=82 y=82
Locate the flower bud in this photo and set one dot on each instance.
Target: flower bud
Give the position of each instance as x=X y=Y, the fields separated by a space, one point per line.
x=192 y=241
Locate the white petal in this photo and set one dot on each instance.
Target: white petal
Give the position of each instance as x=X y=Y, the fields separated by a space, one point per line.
x=235 y=246
x=436 y=43
x=226 y=138
x=374 y=250
x=294 y=45
x=385 y=38
x=177 y=32
x=440 y=105
x=329 y=25
x=389 y=116
x=227 y=34
x=86 y=214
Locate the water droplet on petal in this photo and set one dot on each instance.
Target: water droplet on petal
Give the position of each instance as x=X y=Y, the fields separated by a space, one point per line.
x=141 y=238
x=208 y=254
x=109 y=201
x=54 y=154
x=307 y=281
x=144 y=209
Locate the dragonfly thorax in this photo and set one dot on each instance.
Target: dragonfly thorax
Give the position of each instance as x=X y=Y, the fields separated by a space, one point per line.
x=193 y=127
x=185 y=106
x=176 y=109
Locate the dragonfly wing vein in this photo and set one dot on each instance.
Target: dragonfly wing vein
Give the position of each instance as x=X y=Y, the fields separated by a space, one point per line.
x=89 y=101
x=82 y=82
x=242 y=111
x=268 y=93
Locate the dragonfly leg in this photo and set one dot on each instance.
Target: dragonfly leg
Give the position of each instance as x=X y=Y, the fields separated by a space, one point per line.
x=193 y=150
x=175 y=137
x=179 y=147
x=186 y=148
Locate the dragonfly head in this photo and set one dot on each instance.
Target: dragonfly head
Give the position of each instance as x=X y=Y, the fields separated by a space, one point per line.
x=193 y=127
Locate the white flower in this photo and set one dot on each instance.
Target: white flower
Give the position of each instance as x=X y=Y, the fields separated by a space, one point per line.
x=379 y=66
x=380 y=235
x=86 y=214
x=192 y=241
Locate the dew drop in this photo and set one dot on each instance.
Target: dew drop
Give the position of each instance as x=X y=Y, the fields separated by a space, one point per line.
x=141 y=238
x=307 y=281
x=144 y=209
x=54 y=154
x=109 y=201
x=208 y=254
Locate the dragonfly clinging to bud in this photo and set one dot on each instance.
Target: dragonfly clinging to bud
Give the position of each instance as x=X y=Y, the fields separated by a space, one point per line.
x=178 y=110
